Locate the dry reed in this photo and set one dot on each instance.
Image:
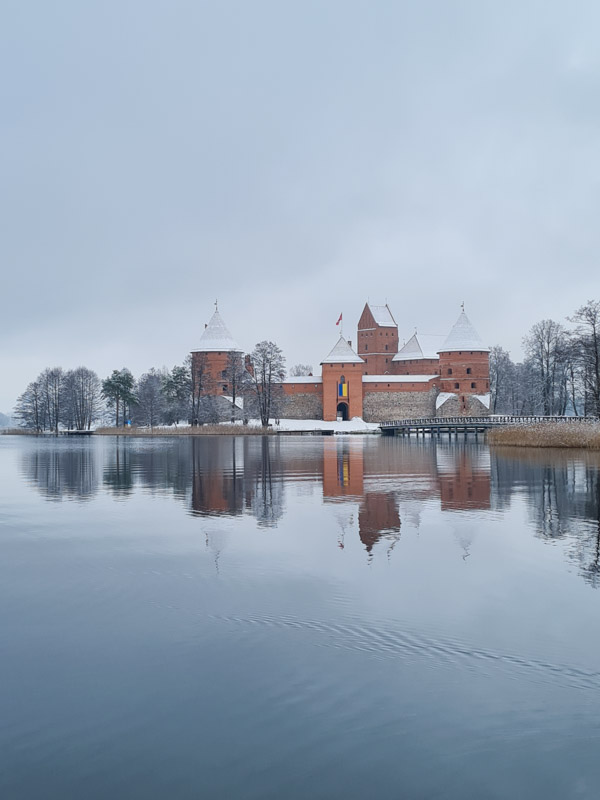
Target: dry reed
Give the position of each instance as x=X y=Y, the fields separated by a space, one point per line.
x=548 y=434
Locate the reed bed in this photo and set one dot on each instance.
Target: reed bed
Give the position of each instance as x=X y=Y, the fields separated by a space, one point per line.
x=16 y=432
x=584 y=435
x=200 y=430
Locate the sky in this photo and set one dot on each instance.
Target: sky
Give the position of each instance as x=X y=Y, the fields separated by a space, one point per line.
x=294 y=160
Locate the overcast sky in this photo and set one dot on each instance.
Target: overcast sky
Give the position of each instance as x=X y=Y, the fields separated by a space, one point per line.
x=293 y=159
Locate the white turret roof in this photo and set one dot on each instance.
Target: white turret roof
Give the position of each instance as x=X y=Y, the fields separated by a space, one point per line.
x=412 y=349
x=463 y=336
x=342 y=353
x=382 y=316
x=216 y=337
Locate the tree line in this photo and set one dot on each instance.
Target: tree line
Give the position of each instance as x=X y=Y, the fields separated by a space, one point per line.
x=560 y=373
x=188 y=393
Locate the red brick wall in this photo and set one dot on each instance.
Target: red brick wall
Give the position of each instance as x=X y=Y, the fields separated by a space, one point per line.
x=416 y=366
x=213 y=365
x=469 y=369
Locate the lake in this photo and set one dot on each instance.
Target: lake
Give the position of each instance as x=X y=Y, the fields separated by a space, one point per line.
x=298 y=617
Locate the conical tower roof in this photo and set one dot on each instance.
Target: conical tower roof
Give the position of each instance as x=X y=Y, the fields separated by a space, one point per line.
x=216 y=337
x=463 y=336
x=412 y=349
x=342 y=353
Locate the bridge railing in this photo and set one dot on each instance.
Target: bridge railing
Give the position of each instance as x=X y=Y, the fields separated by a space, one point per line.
x=487 y=421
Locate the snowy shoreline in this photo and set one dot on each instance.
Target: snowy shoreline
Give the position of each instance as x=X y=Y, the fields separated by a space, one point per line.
x=253 y=428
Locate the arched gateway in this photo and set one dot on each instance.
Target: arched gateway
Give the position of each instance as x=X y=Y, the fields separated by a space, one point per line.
x=342 y=411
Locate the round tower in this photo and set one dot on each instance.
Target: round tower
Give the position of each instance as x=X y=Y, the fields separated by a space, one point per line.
x=211 y=360
x=464 y=362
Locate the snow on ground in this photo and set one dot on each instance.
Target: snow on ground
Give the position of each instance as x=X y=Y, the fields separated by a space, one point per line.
x=356 y=425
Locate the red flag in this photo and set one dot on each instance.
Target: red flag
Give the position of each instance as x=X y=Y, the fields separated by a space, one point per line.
x=339 y=320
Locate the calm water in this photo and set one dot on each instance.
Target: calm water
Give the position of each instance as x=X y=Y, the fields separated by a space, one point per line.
x=297 y=618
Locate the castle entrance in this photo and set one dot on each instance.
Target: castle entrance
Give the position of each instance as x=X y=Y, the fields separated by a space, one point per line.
x=342 y=411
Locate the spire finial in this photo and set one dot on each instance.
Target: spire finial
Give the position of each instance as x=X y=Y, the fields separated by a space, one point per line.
x=216 y=305
x=462 y=305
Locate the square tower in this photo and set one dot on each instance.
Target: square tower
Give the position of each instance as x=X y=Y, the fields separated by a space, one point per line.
x=377 y=339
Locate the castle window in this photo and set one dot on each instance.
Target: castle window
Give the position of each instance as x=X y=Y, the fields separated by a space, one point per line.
x=456 y=385
x=468 y=370
x=472 y=386
x=224 y=387
x=386 y=347
x=449 y=371
x=366 y=347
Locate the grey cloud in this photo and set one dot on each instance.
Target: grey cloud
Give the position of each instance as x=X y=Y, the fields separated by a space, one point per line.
x=292 y=159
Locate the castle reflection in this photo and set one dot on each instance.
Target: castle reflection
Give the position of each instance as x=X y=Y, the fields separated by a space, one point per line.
x=376 y=481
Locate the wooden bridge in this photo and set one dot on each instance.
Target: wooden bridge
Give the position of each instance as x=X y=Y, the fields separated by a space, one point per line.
x=437 y=426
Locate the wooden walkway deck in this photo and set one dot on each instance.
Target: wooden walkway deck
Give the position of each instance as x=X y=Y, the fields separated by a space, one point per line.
x=437 y=426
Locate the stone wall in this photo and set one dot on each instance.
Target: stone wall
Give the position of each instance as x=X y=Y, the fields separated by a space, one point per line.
x=385 y=406
x=301 y=406
x=462 y=406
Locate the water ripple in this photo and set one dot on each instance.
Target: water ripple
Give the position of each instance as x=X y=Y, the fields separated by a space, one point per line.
x=381 y=642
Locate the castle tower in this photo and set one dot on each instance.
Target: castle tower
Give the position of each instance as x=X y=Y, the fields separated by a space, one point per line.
x=342 y=373
x=377 y=339
x=211 y=358
x=464 y=361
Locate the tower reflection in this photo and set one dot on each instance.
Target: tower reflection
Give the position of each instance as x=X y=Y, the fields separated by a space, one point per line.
x=377 y=484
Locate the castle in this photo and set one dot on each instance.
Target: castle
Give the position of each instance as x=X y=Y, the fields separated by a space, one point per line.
x=379 y=381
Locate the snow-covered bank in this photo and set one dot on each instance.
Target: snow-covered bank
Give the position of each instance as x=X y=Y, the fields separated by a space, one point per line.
x=356 y=425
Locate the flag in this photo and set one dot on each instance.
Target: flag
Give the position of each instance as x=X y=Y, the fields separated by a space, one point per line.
x=339 y=320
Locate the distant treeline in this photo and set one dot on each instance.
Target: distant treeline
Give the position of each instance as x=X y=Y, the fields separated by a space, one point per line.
x=560 y=373
x=79 y=400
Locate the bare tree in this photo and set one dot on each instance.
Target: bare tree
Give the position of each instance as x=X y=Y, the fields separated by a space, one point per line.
x=587 y=336
x=501 y=379
x=546 y=347
x=298 y=370
x=31 y=408
x=200 y=382
x=51 y=382
x=82 y=400
x=267 y=372
x=150 y=402
x=237 y=377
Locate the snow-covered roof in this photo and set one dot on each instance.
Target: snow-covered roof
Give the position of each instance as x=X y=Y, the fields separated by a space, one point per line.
x=342 y=353
x=412 y=349
x=216 y=337
x=304 y=379
x=463 y=336
x=382 y=316
x=398 y=378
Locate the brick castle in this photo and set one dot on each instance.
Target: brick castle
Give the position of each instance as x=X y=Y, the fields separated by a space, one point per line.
x=426 y=377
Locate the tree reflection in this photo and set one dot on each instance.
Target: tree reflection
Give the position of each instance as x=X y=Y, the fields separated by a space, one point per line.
x=60 y=470
x=377 y=482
